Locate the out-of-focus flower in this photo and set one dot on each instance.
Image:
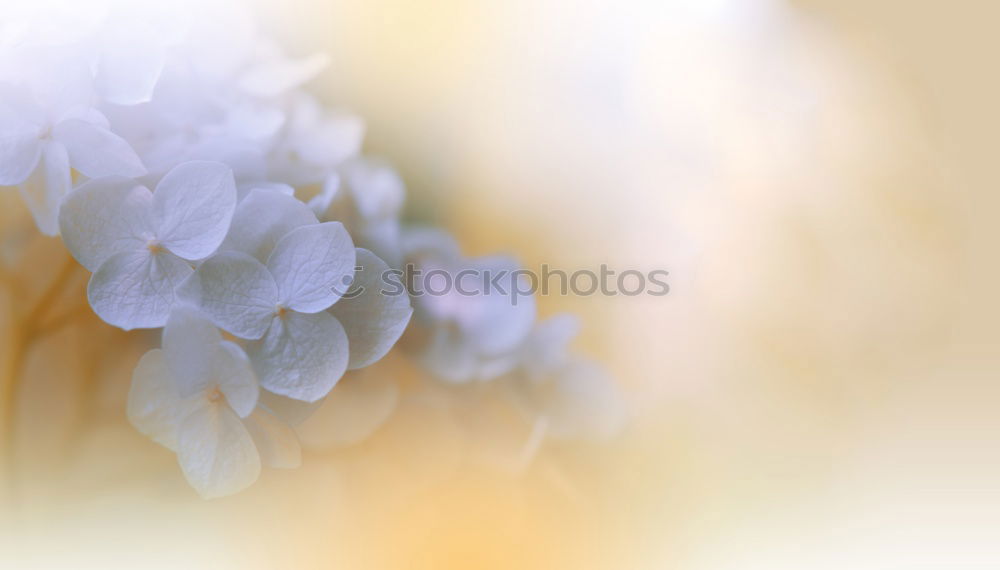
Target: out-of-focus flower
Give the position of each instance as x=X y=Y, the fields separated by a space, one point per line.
x=139 y=244
x=50 y=128
x=376 y=313
x=572 y=397
x=191 y=397
x=472 y=309
x=366 y=196
x=314 y=143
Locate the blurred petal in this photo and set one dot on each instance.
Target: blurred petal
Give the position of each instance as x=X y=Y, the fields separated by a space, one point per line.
x=378 y=191
x=242 y=155
x=20 y=149
x=236 y=378
x=578 y=401
x=374 y=319
x=332 y=139
x=421 y=242
x=190 y=344
x=193 y=205
x=450 y=357
x=96 y=151
x=273 y=78
x=355 y=408
x=320 y=203
x=276 y=441
x=103 y=217
x=291 y=411
x=135 y=289
x=46 y=187
x=263 y=218
x=216 y=452
x=235 y=291
x=154 y=406
x=546 y=349
x=301 y=356
x=504 y=320
x=129 y=67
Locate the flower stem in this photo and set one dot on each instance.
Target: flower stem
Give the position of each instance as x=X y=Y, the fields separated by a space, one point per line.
x=27 y=330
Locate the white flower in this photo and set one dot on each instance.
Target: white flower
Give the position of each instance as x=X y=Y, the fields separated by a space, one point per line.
x=377 y=312
x=262 y=218
x=578 y=400
x=314 y=143
x=302 y=350
x=139 y=244
x=373 y=316
x=197 y=396
x=475 y=329
x=570 y=396
x=190 y=397
x=367 y=197
x=547 y=347
x=270 y=73
x=45 y=132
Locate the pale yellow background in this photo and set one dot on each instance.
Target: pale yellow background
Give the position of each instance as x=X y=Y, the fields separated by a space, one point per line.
x=819 y=390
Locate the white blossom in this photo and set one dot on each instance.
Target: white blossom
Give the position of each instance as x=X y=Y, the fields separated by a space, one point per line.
x=315 y=141
x=191 y=397
x=571 y=397
x=301 y=350
x=103 y=101
x=474 y=328
x=48 y=128
x=367 y=196
x=140 y=244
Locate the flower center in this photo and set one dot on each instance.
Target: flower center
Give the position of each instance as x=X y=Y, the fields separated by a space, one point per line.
x=154 y=247
x=214 y=395
x=280 y=311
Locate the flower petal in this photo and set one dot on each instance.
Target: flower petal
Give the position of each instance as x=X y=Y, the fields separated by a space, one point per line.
x=301 y=356
x=355 y=408
x=236 y=378
x=579 y=401
x=276 y=441
x=103 y=217
x=261 y=219
x=449 y=356
x=546 y=348
x=292 y=412
x=501 y=318
x=378 y=191
x=332 y=139
x=313 y=266
x=216 y=452
x=135 y=289
x=20 y=149
x=235 y=291
x=272 y=78
x=190 y=344
x=129 y=67
x=95 y=151
x=46 y=186
x=154 y=406
x=375 y=318
x=193 y=205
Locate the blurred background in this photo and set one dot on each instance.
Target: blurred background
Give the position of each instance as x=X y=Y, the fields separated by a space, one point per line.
x=818 y=390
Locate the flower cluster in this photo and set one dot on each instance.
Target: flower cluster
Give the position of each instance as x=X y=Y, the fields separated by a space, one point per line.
x=209 y=195
x=480 y=334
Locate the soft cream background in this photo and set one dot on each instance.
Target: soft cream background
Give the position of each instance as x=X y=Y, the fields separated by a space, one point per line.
x=818 y=391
